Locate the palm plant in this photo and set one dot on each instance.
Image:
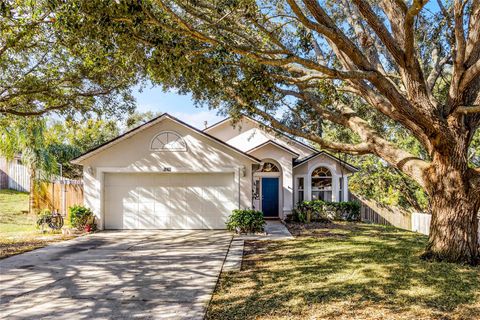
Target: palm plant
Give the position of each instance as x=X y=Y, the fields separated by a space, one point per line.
x=25 y=137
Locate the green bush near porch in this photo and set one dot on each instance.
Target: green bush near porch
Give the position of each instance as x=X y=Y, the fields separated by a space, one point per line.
x=81 y=216
x=324 y=211
x=246 y=221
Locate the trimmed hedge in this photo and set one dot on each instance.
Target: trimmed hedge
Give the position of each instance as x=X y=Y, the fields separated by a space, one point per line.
x=325 y=211
x=246 y=221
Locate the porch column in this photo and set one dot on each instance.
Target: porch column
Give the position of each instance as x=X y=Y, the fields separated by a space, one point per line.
x=335 y=183
x=307 y=189
x=345 y=188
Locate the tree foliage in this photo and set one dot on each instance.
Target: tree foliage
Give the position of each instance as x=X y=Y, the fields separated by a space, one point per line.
x=45 y=70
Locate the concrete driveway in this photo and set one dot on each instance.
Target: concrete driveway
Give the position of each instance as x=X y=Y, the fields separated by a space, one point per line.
x=115 y=275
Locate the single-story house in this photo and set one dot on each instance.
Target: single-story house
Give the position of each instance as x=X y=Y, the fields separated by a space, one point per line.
x=166 y=174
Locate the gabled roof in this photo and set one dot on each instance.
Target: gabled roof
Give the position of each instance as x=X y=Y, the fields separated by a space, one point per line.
x=299 y=162
x=271 y=142
x=148 y=124
x=260 y=123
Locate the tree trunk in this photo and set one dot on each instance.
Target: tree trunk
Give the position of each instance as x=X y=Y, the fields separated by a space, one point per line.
x=31 y=198
x=455 y=205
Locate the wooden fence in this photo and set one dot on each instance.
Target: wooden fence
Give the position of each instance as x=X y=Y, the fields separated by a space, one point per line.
x=58 y=195
x=14 y=175
x=373 y=212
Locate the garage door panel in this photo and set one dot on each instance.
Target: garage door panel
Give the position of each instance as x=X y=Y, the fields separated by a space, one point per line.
x=130 y=219
x=146 y=194
x=212 y=221
x=176 y=199
x=147 y=220
x=120 y=193
x=114 y=212
x=118 y=180
x=168 y=201
x=194 y=221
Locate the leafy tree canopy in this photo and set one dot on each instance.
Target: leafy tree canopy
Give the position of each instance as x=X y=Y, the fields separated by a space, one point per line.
x=45 y=70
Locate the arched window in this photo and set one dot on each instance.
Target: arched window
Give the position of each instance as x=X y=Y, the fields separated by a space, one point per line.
x=168 y=141
x=269 y=167
x=322 y=184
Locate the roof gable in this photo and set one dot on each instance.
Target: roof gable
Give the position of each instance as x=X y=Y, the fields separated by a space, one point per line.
x=300 y=162
x=270 y=142
x=149 y=124
x=262 y=126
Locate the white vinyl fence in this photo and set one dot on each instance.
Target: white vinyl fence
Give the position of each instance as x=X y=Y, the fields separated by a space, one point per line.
x=421 y=223
x=14 y=176
x=19 y=178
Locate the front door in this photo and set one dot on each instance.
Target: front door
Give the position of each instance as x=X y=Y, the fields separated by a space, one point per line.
x=270 y=197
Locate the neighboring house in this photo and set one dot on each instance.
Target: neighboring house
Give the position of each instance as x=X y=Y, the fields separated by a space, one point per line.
x=166 y=174
x=14 y=175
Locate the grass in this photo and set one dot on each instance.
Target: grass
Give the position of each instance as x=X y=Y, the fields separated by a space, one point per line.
x=17 y=228
x=345 y=271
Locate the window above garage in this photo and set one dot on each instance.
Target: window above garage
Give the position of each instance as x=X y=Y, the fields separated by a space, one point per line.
x=168 y=141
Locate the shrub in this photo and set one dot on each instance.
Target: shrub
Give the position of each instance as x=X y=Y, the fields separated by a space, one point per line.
x=246 y=221
x=325 y=211
x=81 y=216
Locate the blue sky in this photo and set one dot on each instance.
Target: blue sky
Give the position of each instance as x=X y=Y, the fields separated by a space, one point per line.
x=180 y=106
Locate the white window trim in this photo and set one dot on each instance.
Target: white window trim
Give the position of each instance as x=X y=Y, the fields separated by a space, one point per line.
x=295 y=188
x=183 y=149
x=308 y=195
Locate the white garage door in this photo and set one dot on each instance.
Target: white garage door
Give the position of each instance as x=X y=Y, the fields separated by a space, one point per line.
x=168 y=201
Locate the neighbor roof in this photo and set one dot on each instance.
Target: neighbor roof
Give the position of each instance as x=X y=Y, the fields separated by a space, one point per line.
x=148 y=124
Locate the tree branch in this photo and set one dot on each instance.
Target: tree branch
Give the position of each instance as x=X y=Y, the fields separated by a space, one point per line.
x=468 y=109
x=381 y=31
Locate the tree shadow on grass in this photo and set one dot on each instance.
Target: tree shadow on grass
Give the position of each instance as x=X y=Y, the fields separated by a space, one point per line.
x=372 y=267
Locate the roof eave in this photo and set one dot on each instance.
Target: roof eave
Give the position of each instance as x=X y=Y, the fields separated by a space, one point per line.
x=296 y=155
x=346 y=164
x=78 y=160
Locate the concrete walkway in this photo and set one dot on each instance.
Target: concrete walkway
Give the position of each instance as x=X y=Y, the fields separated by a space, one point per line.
x=274 y=230
x=115 y=275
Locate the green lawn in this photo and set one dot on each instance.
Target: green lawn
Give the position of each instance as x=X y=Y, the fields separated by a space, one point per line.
x=17 y=228
x=346 y=271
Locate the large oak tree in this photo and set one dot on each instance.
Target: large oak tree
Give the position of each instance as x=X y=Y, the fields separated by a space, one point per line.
x=43 y=72
x=363 y=65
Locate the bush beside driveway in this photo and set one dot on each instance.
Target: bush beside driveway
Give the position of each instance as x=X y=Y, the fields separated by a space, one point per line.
x=345 y=271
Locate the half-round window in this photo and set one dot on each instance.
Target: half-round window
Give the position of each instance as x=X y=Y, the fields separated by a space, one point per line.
x=269 y=167
x=321 y=184
x=168 y=141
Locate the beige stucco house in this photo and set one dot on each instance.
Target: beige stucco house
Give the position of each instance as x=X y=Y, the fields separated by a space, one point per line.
x=166 y=174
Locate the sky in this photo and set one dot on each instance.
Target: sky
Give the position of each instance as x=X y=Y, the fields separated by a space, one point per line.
x=180 y=106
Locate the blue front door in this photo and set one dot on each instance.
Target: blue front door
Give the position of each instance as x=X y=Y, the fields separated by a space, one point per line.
x=270 y=197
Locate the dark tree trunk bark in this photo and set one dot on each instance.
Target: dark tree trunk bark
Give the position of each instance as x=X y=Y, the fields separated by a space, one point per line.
x=455 y=205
